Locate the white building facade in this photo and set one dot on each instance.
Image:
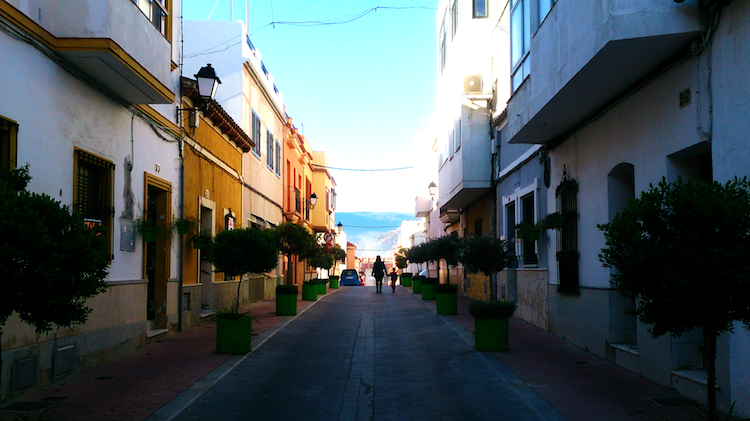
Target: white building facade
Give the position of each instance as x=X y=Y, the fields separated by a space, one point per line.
x=89 y=104
x=633 y=92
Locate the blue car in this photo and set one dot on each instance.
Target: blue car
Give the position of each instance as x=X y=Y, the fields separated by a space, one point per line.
x=349 y=277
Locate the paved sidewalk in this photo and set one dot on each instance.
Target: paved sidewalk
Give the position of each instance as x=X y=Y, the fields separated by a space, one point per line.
x=159 y=379
x=135 y=387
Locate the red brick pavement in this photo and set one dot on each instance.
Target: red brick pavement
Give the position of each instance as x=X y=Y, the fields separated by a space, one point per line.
x=579 y=384
x=136 y=386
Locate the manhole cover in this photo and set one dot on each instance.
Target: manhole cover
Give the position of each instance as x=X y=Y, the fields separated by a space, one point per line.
x=26 y=406
x=674 y=402
x=581 y=362
x=105 y=378
x=54 y=398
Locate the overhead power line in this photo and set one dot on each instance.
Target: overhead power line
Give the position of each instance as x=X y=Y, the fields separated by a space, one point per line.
x=362 y=169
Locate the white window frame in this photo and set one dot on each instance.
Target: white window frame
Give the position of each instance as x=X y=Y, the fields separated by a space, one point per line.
x=516 y=197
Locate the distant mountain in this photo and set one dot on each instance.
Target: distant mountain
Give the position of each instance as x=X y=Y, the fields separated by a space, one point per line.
x=372 y=232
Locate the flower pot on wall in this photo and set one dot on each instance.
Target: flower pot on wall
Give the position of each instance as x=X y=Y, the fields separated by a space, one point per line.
x=182 y=226
x=233 y=335
x=149 y=233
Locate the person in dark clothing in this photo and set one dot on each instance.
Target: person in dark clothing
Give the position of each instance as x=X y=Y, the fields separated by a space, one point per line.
x=378 y=271
x=394 y=278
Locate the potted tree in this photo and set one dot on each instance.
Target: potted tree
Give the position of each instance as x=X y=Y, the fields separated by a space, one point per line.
x=310 y=290
x=402 y=263
x=428 y=288
x=286 y=300
x=491 y=326
x=294 y=240
x=322 y=259
x=446 y=296
x=231 y=251
x=417 y=284
x=667 y=245
x=484 y=254
x=51 y=260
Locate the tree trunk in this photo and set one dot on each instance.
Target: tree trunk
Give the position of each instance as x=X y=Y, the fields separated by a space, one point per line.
x=448 y=276
x=288 y=274
x=239 y=285
x=709 y=345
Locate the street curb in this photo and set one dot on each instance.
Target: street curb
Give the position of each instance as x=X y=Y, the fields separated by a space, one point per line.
x=526 y=393
x=175 y=407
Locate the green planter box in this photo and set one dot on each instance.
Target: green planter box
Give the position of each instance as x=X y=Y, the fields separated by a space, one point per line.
x=447 y=303
x=417 y=286
x=286 y=304
x=322 y=288
x=428 y=291
x=309 y=292
x=491 y=334
x=405 y=281
x=233 y=335
x=334 y=282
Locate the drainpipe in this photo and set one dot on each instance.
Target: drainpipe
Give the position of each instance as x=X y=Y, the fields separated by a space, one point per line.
x=182 y=238
x=493 y=197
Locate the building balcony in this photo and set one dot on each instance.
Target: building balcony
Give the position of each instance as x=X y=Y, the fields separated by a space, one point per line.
x=422 y=206
x=112 y=41
x=608 y=49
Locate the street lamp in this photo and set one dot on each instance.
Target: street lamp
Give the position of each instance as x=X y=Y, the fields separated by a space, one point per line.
x=208 y=82
x=313 y=200
x=432 y=188
x=339 y=226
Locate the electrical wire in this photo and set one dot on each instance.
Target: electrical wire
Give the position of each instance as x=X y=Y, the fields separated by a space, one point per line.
x=363 y=169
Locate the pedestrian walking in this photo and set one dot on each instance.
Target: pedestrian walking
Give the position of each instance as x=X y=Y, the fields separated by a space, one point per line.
x=394 y=278
x=378 y=271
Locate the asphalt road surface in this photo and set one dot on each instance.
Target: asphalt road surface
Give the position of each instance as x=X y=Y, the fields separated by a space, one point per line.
x=357 y=355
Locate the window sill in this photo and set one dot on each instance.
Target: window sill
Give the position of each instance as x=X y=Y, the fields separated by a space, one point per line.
x=631 y=349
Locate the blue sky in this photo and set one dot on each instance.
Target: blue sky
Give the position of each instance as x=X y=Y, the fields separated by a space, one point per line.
x=362 y=91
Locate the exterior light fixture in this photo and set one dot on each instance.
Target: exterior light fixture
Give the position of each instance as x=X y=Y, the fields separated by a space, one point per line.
x=313 y=200
x=432 y=188
x=208 y=82
x=339 y=226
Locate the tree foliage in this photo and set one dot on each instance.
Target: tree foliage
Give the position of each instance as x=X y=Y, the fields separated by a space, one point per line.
x=484 y=253
x=681 y=252
x=321 y=259
x=295 y=239
x=51 y=263
x=339 y=254
x=247 y=250
x=400 y=258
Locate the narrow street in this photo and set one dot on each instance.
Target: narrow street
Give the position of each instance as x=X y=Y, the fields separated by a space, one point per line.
x=357 y=355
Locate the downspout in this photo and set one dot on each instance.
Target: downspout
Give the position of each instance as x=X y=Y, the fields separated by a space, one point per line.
x=493 y=195
x=181 y=194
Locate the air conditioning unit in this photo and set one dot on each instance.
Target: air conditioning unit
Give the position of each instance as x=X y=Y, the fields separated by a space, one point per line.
x=473 y=84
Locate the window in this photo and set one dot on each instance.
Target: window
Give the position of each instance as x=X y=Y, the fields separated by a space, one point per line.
x=443 y=47
x=269 y=150
x=544 y=6
x=520 y=34
x=454 y=18
x=256 y=134
x=480 y=9
x=8 y=132
x=528 y=248
x=278 y=158
x=567 y=254
x=458 y=135
x=93 y=190
x=157 y=12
